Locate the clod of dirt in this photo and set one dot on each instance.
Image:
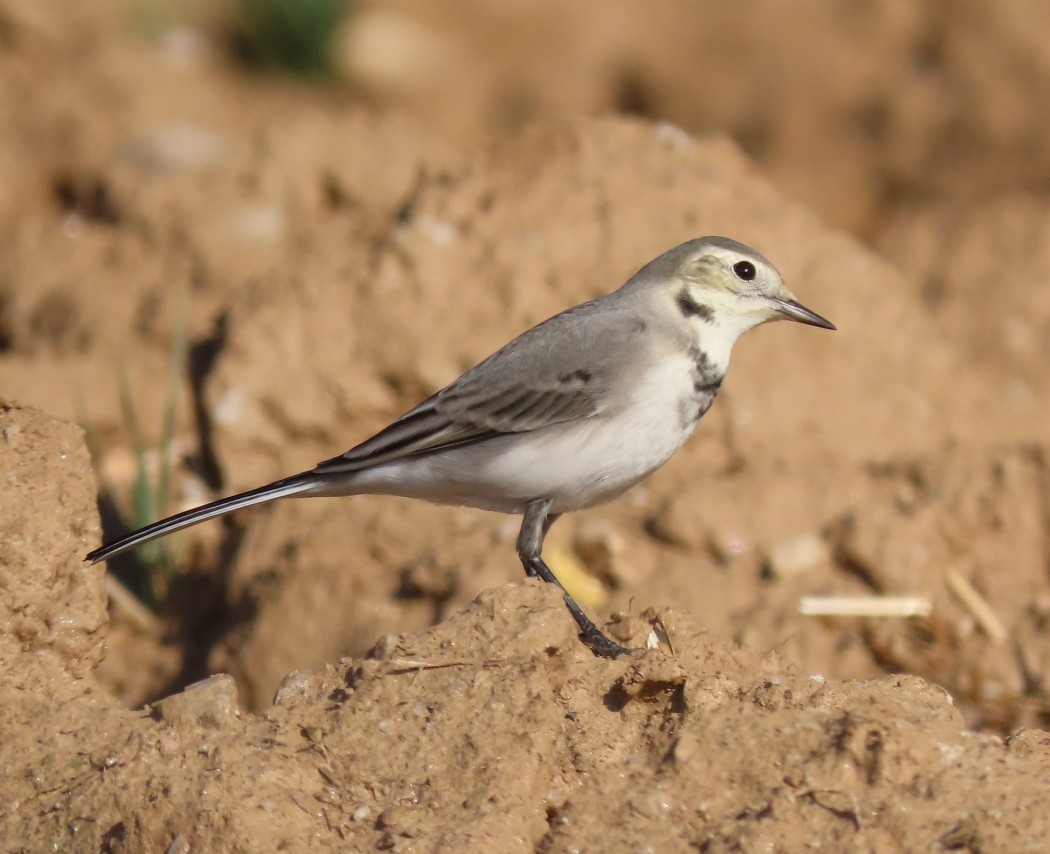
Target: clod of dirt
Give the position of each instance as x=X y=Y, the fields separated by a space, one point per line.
x=52 y=604
x=212 y=702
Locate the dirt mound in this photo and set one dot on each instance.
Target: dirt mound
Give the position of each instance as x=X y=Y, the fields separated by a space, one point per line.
x=495 y=730
x=482 y=254
x=53 y=608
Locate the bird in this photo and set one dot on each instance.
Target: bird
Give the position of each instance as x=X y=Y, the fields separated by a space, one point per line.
x=570 y=414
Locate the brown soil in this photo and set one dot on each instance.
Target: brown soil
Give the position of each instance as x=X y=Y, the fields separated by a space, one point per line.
x=332 y=253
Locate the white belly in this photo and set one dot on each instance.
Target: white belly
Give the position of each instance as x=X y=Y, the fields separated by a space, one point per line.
x=575 y=464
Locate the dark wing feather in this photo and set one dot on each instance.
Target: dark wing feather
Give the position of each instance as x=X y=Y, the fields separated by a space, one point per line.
x=558 y=371
x=422 y=430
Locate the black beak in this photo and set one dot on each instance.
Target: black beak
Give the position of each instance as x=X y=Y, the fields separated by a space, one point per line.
x=792 y=310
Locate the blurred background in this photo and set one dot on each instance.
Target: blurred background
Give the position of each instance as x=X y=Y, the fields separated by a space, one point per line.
x=236 y=237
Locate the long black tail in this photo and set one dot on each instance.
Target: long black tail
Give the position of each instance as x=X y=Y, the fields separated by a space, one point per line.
x=278 y=489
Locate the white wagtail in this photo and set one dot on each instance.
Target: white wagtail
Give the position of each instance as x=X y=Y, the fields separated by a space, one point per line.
x=570 y=414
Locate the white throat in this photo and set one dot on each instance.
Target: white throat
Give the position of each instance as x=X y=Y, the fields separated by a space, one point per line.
x=717 y=336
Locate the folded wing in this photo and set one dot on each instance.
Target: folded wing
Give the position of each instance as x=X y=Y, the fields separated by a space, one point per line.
x=558 y=371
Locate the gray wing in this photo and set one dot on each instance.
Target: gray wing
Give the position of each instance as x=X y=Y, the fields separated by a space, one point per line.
x=561 y=370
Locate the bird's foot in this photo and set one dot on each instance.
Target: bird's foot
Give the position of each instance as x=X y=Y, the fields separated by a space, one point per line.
x=602 y=645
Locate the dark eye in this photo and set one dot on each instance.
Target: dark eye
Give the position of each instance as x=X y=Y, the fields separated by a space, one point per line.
x=745 y=270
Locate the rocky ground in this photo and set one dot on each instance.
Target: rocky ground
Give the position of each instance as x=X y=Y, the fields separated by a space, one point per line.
x=293 y=264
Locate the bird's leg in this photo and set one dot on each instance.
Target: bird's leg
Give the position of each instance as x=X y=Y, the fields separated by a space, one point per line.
x=537 y=522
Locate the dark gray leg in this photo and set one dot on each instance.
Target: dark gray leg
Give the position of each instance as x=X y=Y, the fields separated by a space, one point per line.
x=534 y=528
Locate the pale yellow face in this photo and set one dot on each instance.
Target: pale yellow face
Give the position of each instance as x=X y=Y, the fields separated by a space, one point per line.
x=744 y=274
x=735 y=286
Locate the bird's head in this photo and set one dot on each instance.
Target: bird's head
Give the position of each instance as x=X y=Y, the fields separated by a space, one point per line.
x=718 y=282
